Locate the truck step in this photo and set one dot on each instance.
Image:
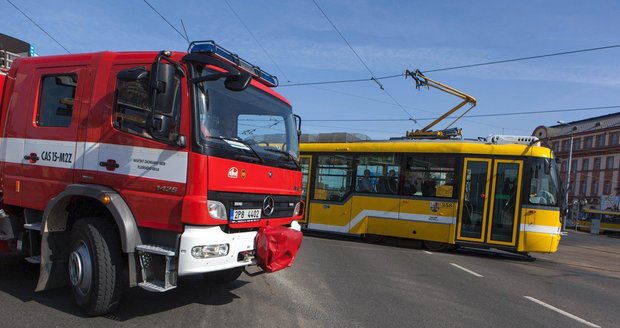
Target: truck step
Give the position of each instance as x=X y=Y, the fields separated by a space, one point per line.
x=159 y=267
x=33 y=226
x=156 y=286
x=156 y=249
x=34 y=259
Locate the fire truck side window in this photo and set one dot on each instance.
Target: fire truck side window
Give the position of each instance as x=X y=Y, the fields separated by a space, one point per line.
x=132 y=106
x=56 y=105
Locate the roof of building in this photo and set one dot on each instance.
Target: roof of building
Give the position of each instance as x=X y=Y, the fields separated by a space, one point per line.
x=583 y=126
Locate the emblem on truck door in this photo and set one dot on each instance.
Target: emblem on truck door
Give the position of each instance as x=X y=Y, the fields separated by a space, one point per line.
x=268 y=205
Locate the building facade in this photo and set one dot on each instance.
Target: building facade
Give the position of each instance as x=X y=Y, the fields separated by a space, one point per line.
x=595 y=164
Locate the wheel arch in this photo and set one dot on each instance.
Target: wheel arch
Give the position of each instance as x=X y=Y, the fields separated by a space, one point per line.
x=56 y=219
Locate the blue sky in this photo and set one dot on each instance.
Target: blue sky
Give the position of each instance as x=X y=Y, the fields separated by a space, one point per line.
x=390 y=36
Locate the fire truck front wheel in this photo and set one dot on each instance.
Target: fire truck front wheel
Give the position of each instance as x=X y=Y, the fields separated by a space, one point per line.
x=95 y=265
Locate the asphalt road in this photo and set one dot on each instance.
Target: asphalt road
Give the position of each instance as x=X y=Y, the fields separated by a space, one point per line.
x=339 y=282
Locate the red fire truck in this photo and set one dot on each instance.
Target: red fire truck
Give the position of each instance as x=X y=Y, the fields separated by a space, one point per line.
x=133 y=168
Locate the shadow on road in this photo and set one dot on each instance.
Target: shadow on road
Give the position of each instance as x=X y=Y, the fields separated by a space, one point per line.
x=19 y=279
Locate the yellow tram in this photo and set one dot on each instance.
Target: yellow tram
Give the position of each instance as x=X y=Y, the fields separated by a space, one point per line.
x=502 y=192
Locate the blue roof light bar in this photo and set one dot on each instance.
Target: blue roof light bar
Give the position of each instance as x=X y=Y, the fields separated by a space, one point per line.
x=210 y=47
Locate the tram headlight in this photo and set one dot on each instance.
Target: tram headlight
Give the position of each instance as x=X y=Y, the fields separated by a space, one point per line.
x=217 y=210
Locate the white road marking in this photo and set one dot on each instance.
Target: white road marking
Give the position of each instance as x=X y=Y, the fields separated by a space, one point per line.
x=466 y=270
x=427 y=252
x=562 y=312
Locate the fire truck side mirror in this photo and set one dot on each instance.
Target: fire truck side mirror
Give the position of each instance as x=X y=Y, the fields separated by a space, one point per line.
x=133 y=74
x=298 y=124
x=165 y=84
x=238 y=82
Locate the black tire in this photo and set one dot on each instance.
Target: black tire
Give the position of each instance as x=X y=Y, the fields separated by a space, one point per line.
x=374 y=239
x=95 y=266
x=224 y=276
x=436 y=246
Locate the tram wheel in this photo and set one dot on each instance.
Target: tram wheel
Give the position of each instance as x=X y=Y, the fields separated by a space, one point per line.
x=436 y=246
x=375 y=239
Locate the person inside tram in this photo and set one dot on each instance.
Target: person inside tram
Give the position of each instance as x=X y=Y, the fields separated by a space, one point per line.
x=428 y=187
x=364 y=184
x=392 y=182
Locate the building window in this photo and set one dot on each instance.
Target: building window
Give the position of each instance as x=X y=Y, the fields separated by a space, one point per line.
x=610 y=163
x=585 y=164
x=556 y=146
x=600 y=140
x=565 y=145
x=587 y=142
x=607 y=188
x=614 y=138
x=582 y=188
x=597 y=163
x=594 y=190
x=564 y=164
x=56 y=105
x=577 y=144
x=573 y=166
x=571 y=187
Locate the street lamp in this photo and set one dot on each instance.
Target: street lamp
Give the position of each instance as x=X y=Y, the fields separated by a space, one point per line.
x=570 y=160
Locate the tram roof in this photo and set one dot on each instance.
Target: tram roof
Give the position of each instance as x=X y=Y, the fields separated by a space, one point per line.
x=427 y=146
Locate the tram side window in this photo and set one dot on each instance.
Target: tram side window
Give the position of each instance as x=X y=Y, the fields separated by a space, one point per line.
x=430 y=176
x=333 y=177
x=378 y=174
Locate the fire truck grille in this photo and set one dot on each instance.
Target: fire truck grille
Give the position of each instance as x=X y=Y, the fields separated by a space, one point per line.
x=283 y=206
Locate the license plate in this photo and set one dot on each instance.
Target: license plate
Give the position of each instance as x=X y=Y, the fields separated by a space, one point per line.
x=245 y=215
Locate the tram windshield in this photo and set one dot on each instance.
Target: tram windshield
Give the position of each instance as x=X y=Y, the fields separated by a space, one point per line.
x=544 y=183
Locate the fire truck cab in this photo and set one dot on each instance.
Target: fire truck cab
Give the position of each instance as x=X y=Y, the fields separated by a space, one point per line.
x=146 y=166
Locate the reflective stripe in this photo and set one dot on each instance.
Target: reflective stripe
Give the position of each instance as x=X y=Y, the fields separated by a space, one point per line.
x=419 y=218
x=152 y=163
x=384 y=215
x=540 y=229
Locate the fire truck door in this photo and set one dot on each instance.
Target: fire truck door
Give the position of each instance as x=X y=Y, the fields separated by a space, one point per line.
x=50 y=154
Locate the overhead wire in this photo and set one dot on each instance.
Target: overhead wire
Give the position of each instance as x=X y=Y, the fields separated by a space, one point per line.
x=373 y=77
x=470 y=116
x=256 y=40
x=342 y=81
x=522 y=58
x=165 y=20
x=39 y=26
x=461 y=66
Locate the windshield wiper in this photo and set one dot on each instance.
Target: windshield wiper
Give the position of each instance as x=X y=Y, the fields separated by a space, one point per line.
x=282 y=152
x=238 y=144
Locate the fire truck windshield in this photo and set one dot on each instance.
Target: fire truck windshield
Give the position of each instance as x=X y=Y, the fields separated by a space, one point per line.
x=246 y=125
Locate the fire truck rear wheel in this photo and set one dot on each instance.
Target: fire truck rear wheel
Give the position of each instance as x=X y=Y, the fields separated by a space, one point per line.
x=224 y=276
x=95 y=265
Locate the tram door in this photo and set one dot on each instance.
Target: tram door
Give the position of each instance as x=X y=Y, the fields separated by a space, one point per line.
x=305 y=161
x=489 y=201
x=329 y=202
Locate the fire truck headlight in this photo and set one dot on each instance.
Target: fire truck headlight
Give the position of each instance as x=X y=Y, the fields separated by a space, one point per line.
x=299 y=208
x=217 y=210
x=207 y=251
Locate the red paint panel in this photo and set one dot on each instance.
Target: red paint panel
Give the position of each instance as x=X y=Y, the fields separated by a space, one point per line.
x=256 y=181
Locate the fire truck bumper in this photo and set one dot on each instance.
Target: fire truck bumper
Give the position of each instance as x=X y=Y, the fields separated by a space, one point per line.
x=207 y=248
